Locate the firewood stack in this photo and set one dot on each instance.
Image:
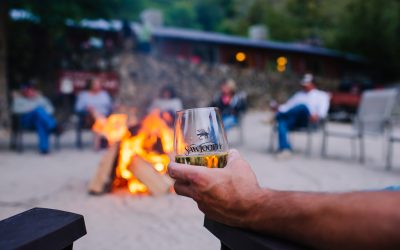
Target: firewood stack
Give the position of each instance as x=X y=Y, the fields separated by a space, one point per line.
x=157 y=184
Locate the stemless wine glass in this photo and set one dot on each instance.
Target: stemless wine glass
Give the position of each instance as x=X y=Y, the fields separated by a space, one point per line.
x=200 y=138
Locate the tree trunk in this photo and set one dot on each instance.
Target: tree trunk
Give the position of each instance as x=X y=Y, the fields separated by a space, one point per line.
x=4 y=112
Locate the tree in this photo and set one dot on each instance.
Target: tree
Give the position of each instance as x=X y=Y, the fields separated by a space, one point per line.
x=181 y=14
x=372 y=28
x=51 y=16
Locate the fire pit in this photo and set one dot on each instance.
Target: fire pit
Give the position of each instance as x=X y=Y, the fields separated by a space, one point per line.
x=137 y=157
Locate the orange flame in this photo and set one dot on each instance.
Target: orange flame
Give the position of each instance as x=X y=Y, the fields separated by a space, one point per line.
x=113 y=128
x=153 y=136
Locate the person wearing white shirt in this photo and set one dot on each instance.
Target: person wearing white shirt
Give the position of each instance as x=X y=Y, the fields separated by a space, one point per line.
x=308 y=105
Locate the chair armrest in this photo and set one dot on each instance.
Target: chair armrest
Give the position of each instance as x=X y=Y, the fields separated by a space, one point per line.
x=240 y=239
x=41 y=228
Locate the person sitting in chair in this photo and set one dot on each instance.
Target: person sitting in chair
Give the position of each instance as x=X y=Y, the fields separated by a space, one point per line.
x=92 y=104
x=35 y=111
x=308 y=105
x=230 y=102
x=167 y=103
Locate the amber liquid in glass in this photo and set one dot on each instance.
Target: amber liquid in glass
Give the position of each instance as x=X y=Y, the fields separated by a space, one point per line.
x=210 y=161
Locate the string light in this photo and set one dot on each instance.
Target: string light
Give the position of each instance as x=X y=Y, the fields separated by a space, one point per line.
x=240 y=56
x=281 y=64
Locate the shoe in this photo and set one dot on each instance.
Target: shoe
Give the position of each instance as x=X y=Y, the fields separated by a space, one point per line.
x=44 y=152
x=284 y=154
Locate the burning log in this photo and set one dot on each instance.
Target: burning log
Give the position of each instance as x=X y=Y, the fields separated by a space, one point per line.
x=157 y=184
x=102 y=181
x=140 y=158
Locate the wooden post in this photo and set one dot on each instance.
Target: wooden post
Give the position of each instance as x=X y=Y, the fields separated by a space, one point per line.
x=158 y=184
x=102 y=181
x=4 y=112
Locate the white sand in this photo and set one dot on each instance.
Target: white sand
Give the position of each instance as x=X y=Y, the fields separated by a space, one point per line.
x=122 y=221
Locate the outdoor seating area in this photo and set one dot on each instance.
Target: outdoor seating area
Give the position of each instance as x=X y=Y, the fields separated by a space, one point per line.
x=191 y=125
x=119 y=220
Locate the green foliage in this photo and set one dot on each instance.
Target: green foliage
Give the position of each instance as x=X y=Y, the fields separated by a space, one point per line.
x=181 y=14
x=370 y=28
x=53 y=14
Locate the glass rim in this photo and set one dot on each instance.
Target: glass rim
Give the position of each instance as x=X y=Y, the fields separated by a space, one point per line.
x=184 y=110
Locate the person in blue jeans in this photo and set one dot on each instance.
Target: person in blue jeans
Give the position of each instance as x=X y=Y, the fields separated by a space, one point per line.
x=307 y=105
x=35 y=111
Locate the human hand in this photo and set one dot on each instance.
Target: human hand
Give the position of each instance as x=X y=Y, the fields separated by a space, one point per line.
x=225 y=194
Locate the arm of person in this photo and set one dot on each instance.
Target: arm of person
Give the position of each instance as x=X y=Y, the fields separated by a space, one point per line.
x=46 y=104
x=356 y=220
x=21 y=105
x=293 y=101
x=323 y=107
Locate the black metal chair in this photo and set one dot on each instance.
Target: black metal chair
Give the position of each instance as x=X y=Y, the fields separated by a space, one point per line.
x=84 y=122
x=239 y=239
x=17 y=132
x=241 y=101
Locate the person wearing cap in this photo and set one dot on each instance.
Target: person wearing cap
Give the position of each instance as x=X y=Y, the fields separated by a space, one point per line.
x=307 y=105
x=231 y=103
x=35 y=111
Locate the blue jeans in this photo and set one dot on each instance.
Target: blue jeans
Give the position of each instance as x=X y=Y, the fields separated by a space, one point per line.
x=43 y=122
x=229 y=121
x=296 y=117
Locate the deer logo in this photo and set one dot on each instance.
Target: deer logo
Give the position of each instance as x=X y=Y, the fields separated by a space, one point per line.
x=202 y=134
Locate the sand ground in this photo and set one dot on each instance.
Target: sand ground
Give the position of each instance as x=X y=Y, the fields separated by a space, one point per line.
x=123 y=221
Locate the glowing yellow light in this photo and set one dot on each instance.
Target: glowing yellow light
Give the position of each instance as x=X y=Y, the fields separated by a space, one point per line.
x=281 y=68
x=126 y=174
x=240 y=56
x=159 y=166
x=281 y=61
x=135 y=186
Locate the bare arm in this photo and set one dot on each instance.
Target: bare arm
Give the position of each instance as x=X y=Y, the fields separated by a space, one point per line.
x=359 y=220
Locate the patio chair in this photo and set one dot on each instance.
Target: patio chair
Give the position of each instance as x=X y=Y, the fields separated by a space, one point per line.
x=310 y=130
x=241 y=97
x=392 y=137
x=389 y=155
x=373 y=117
x=17 y=132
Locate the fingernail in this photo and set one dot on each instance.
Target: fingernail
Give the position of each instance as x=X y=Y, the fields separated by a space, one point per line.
x=171 y=172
